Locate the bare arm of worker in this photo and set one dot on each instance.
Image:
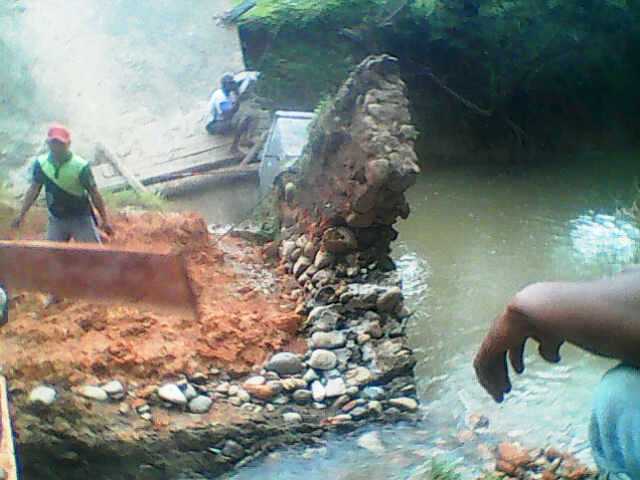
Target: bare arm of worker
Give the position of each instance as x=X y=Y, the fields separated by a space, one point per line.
x=89 y=183
x=29 y=199
x=601 y=316
x=98 y=201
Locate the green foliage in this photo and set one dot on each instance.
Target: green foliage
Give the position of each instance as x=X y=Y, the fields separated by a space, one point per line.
x=302 y=14
x=298 y=70
x=441 y=471
x=538 y=63
x=129 y=198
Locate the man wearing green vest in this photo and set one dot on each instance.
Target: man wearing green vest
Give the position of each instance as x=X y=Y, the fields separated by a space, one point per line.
x=70 y=189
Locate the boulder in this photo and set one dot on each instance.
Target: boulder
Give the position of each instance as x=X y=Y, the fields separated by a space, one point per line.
x=93 y=393
x=42 y=395
x=302 y=396
x=377 y=172
x=292 y=417
x=328 y=340
x=261 y=391
x=339 y=240
x=324 y=259
x=325 y=318
x=335 y=387
x=388 y=301
x=300 y=266
x=359 y=376
x=389 y=358
x=318 y=392
x=200 y=404
x=323 y=360
x=285 y=363
x=113 y=388
x=404 y=403
x=233 y=450
x=171 y=393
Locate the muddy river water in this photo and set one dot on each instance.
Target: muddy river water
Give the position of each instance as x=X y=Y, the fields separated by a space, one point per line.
x=475 y=236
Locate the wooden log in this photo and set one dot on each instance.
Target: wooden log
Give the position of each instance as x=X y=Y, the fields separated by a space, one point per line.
x=7 y=449
x=253 y=152
x=119 y=166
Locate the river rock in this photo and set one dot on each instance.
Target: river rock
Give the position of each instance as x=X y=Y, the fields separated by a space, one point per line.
x=257 y=380
x=359 y=376
x=93 y=393
x=287 y=248
x=285 y=363
x=318 y=391
x=301 y=266
x=310 y=376
x=223 y=388
x=324 y=259
x=389 y=300
x=113 y=388
x=188 y=390
x=362 y=296
x=373 y=393
x=262 y=391
x=339 y=240
x=359 y=412
x=172 y=394
x=377 y=172
x=243 y=395
x=200 y=404
x=302 y=396
x=323 y=360
x=292 y=384
x=43 y=395
x=389 y=358
x=375 y=407
x=310 y=249
x=325 y=318
x=404 y=403
x=328 y=340
x=233 y=450
x=292 y=417
x=335 y=387
x=323 y=277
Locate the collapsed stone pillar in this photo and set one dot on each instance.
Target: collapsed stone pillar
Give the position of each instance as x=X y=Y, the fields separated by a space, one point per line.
x=349 y=190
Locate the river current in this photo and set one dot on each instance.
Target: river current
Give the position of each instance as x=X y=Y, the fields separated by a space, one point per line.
x=475 y=236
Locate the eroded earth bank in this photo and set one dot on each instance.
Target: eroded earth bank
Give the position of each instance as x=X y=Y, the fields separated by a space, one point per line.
x=295 y=337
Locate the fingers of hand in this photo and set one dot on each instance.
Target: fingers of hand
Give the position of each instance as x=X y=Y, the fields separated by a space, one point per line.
x=549 y=349
x=492 y=374
x=516 y=357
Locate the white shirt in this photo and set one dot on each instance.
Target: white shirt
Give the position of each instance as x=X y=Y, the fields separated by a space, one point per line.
x=216 y=102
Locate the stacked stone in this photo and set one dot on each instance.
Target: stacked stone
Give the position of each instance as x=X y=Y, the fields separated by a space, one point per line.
x=360 y=162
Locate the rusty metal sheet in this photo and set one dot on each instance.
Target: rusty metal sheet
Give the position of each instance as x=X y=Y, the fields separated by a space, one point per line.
x=98 y=273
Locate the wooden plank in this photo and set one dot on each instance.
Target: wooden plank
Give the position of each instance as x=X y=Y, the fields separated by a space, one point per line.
x=154 y=175
x=98 y=272
x=119 y=166
x=7 y=449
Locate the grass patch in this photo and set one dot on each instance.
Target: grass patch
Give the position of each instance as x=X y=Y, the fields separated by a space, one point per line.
x=129 y=198
x=440 y=470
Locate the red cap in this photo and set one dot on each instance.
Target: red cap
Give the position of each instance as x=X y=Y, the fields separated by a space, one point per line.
x=60 y=133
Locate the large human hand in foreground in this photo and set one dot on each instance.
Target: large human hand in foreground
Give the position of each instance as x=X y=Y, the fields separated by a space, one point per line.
x=601 y=316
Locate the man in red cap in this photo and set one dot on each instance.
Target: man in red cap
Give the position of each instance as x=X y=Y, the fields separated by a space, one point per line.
x=70 y=190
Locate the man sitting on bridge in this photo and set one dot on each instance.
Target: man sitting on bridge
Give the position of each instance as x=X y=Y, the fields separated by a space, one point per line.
x=223 y=107
x=602 y=317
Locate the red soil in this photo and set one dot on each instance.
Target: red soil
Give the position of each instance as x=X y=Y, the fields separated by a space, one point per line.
x=79 y=341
